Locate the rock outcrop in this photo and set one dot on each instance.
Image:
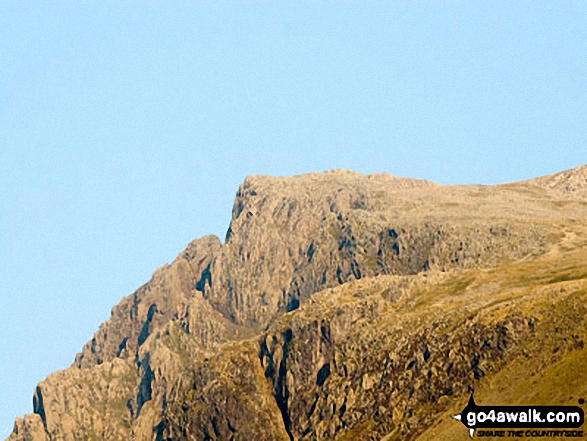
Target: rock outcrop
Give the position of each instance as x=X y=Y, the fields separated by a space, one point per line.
x=340 y=306
x=567 y=181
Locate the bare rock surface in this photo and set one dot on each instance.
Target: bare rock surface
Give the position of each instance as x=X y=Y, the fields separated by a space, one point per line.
x=340 y=306
x=568 y=181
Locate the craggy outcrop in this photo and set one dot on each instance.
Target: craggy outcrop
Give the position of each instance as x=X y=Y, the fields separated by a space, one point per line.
x=341 y=306
x=360 y=362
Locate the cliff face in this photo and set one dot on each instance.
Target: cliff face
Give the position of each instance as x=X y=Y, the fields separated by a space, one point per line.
x=341 y=306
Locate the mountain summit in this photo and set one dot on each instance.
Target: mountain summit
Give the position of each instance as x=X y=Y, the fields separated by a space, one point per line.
x=342 y=306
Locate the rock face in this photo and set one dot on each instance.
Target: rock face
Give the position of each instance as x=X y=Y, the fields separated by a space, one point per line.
x=567 y=181
x=341 y=306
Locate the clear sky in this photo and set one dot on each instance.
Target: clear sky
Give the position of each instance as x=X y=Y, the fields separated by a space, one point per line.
x=126 y=128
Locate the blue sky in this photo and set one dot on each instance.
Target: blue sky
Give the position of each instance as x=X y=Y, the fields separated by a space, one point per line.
x=126 y=128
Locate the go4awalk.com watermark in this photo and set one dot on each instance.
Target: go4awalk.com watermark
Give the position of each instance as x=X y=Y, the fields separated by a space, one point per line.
x=523 y=421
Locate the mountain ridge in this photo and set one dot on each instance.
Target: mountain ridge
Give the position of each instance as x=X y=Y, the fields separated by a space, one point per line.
x=289 y=240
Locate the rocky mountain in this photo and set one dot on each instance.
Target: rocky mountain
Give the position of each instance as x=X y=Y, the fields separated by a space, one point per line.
x=342 y=307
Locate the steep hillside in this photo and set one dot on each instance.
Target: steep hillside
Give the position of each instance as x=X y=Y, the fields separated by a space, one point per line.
x=341 y=306
x=384 y=357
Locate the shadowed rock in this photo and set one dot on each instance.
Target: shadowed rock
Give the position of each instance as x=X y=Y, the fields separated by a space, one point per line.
x=341 y=306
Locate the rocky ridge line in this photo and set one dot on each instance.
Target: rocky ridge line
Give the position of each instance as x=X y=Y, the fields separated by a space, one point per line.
x=288 y=239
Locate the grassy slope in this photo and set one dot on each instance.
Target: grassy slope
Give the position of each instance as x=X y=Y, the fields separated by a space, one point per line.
x=551 y=368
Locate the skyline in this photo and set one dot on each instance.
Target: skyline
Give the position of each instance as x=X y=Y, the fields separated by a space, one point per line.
x=125 y=131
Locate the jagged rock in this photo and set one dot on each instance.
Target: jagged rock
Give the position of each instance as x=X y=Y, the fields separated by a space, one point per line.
x=341 y=306
x=29 y=428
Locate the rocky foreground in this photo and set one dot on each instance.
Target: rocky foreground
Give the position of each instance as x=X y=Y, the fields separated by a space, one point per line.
x=342 y=307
